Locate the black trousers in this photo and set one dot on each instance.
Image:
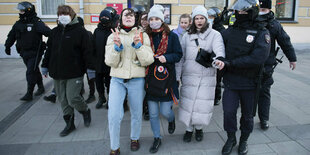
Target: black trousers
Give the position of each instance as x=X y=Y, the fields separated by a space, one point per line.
x=264 y=98
x=218 y=87
x=231 y=101
x=33 y=74
x=102 y=80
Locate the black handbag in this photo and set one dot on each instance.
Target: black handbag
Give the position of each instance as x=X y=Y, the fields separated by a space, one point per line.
x=204 y=57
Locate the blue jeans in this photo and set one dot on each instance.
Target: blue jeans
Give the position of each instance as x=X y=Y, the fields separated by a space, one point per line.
x=118 y=89
x=165 y=109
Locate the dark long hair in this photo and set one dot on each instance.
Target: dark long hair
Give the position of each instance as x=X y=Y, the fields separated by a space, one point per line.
x=164 y=25
x=193 y=29
x=130 y=11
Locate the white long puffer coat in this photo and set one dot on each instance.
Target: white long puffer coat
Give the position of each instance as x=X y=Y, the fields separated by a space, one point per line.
x=198 y=82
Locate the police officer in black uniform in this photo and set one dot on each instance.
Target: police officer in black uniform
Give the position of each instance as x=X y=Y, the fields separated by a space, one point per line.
x=247 y=46
x=276 y=33
x=108 y=20
x=27 y=32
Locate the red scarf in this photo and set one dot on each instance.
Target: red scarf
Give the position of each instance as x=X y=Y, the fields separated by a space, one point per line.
x=162 y=47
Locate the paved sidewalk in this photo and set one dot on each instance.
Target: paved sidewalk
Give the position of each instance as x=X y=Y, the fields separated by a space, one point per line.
x=33 y=128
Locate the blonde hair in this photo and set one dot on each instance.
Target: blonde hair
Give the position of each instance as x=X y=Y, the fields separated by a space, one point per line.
x=185 y=15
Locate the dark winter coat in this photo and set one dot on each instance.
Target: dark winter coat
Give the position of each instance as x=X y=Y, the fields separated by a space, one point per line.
x=28 y=36
x=247 y=48
x=100 y=38
x=278 y=34
x=69 y=52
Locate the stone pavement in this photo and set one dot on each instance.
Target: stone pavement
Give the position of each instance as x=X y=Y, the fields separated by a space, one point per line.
x=33 y=128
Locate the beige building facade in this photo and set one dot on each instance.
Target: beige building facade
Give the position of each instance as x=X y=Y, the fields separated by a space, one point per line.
x=290 y=12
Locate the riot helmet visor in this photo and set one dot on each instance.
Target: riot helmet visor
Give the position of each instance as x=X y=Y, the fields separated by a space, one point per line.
x=244 y=5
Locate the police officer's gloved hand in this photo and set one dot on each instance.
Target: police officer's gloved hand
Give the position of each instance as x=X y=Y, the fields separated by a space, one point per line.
x=227 y=63
x=91 y=74
x=44 y=71
x=8 y=50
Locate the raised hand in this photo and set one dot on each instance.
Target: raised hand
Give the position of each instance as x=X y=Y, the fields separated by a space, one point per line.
x=137 y=38
x=116 y=38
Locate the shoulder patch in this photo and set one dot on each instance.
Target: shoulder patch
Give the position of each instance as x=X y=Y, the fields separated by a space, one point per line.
x=267 y=38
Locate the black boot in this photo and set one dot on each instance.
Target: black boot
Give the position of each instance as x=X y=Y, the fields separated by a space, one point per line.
x=101 y=101
x=28 y=95
x=230 y=143
x=69 y=119
x=264 y=124
x=171 y=127
x=243 y=144
x=86 y=116
x=91 y=98
x=154 y=148
x=187 y=136
x=199 y=135
x=40 y=90
x=50 y=98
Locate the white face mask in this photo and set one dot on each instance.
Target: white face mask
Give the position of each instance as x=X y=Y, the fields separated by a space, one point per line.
x=64 y=19
x=262 y=13
x=210 y=21
x=155 y=24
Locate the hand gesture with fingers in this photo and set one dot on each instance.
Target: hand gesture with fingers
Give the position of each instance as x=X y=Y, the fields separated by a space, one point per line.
x=137 y=38
x=116 y=37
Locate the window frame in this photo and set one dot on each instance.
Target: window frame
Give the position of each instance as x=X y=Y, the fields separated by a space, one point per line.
x=39 y=7
x=294 y=18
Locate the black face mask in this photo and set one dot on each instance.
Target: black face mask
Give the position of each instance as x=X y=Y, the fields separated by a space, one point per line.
x=22 y=15
x=104 y=21
x=240 y=18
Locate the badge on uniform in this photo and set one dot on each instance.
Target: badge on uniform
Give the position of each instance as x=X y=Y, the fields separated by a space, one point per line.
x=267 y=38
x=249 y=38
x=29 y=28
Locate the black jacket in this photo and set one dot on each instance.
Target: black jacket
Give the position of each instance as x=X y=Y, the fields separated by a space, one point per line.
x=218 y=25
x=100 y=38
x=28 y=36
x=278 y=34
x=69 y=52
x=247 y=48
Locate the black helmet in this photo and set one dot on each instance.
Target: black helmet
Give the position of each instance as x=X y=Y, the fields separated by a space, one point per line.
x=214 y=12
x=265 y=4
x=245 y=5
x=138 y=9
x=27 y=7
x=249 y=6
x=112 y=11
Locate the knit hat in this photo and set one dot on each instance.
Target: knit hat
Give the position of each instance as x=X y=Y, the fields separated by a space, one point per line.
x=106 y=14
x=156 y=11
x=200 y=10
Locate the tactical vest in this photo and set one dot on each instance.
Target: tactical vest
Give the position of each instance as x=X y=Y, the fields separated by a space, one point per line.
x=27 y=38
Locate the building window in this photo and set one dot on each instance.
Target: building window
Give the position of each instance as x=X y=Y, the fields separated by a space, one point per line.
x=48 y=8
x=216 y=3
x=146 y=3
x=285 y=9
